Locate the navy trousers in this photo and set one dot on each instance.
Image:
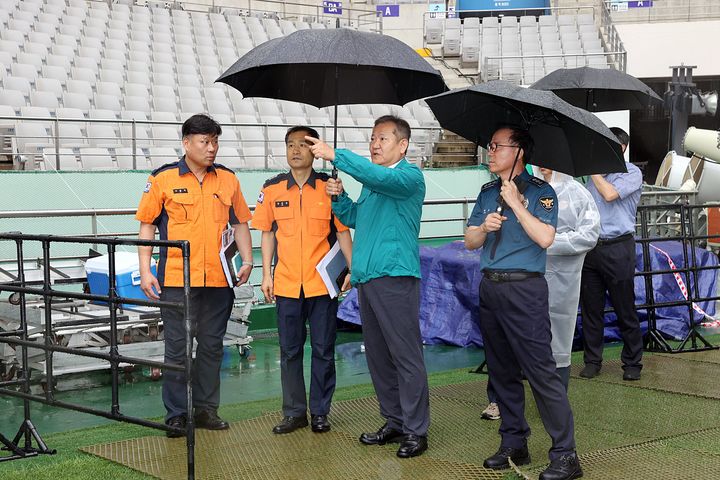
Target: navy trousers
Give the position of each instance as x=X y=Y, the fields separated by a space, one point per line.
x=209 y=313
x=390 y=309
x=515 y=326
x=610 y=268
x=321 y=313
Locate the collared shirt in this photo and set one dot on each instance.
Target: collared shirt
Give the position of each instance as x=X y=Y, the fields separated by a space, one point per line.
x=182 y=208
x=618 y=217
x=516 y=251
x=304 y=227
x=386 y=217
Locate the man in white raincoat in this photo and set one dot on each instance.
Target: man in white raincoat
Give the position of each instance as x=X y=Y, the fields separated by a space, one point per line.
x=578 y=228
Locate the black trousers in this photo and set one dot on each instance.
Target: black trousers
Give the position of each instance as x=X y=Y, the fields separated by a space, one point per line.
x=515 y=325
x=321 y=313
x=390 y=310
x=209 y=313
x=610 y=268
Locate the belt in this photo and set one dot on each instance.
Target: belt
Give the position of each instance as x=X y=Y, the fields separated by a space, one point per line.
x=610 y=241
x=505 y=276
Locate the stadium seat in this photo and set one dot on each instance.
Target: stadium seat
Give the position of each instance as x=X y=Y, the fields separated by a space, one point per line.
x=160 y=156
x=96 y=159
x=68 y=160
x=124 y=159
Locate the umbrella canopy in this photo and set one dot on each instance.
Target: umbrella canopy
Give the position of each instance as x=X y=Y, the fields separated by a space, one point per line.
x=334 y=67
x=567 y=139
x=598 y=89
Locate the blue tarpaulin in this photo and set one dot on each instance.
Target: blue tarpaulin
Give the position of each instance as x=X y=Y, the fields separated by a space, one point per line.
x=451 y=277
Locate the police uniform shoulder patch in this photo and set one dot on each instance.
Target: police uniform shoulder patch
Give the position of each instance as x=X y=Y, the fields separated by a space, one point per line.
x=538 y=182
x=548 y=203
x=490 y=185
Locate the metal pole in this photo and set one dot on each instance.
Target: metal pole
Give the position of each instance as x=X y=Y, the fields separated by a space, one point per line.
x=112 y=303
x=134 y=144
x=57 y=144
x=190 y=426
x=47 y=295
x=24 y=373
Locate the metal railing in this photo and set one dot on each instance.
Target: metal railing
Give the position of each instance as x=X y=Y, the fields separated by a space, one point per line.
x=21 y=387
x=496 y=68
x=664 y=11
x=49 y=152
x=350 y=16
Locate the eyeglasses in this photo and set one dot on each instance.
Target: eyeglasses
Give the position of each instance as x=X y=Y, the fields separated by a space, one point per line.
x=492 y=146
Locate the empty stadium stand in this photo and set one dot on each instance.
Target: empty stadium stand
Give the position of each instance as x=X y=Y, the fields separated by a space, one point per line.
x=87 y=85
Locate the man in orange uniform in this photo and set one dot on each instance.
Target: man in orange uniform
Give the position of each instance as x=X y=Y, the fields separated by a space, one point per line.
x=194 y=199
x=294 y=212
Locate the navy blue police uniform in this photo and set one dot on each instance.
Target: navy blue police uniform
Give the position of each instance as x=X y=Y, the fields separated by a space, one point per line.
x=514 y=317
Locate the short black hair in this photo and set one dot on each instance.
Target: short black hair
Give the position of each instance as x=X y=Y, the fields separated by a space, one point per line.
x=402 y=127
x=311 y=132
x=521 y=137
x=201 y=124
x=621 y=135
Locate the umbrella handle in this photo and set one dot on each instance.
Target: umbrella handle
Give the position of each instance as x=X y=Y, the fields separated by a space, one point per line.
x=334 y=174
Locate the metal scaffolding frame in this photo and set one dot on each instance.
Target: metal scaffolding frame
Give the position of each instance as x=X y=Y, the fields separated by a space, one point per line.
x=21 y=446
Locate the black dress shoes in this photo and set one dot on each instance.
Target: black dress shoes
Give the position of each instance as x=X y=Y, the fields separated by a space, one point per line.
x=319 y=423
x=382 y=436
x=209 y=420
x=590 y=371
x=290 y=424
x=176 y=422
x=631 y=374
x=412 y=446
x=499 y=461
x=565 y=467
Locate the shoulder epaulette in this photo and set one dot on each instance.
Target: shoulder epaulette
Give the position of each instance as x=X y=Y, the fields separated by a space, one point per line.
x=167 y=166
x=223 y=167
x=276 y=179
x=538 y=182
x=490 y=184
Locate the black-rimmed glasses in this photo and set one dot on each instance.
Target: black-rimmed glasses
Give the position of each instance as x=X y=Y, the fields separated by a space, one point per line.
x=492 y=146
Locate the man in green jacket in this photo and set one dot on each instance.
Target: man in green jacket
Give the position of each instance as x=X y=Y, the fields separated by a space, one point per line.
x=386 y=272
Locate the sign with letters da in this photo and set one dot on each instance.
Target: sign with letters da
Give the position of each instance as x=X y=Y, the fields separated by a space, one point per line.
x=388 y=10
x=332 y=8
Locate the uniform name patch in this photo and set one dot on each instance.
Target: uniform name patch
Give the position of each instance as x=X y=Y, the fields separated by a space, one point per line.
x=261 y=197
x=547 y=203
x=148 y=185
x=180 y=190
x=279 y=204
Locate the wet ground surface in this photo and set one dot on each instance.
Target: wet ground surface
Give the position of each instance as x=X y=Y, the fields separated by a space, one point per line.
x=244 y=379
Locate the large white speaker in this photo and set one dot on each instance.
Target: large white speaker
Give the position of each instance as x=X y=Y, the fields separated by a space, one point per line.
x=703 y=143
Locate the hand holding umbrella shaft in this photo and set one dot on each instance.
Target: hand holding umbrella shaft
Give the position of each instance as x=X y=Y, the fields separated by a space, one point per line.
x=493 y=222
x=321 y=149
x=512 y=196
x=334 y=186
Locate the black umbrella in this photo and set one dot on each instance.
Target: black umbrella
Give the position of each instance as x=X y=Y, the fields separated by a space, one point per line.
x=598 y=89
x=567 y=139
x=334 y=67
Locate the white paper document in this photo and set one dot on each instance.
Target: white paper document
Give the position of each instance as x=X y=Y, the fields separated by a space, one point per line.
x=331 y=268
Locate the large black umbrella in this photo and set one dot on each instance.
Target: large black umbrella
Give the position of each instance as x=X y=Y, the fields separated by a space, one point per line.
x=598 y=89
x=334 y=67
x=567 y=139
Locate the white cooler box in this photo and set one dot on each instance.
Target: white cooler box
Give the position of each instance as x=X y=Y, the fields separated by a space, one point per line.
x=127 y=276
